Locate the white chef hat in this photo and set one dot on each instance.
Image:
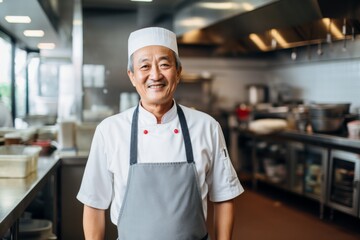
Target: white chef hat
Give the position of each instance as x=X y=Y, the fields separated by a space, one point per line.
x=152 y=36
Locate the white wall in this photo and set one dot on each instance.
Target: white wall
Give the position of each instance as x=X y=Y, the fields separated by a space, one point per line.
x=331 y=77
x=337 y=81
x=230 y=77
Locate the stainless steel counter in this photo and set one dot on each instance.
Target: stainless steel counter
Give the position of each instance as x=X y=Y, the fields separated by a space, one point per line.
x=17 y=193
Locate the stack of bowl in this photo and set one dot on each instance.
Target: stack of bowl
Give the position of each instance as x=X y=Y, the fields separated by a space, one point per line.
x=328 y=118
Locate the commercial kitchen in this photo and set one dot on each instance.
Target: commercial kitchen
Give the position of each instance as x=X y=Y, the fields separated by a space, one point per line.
x=282 y=77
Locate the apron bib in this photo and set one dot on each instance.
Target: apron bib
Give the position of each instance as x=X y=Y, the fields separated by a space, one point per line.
x=162 y=200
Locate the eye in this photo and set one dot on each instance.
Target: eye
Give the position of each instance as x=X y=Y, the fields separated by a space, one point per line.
x=144 y=67
x=165 y=65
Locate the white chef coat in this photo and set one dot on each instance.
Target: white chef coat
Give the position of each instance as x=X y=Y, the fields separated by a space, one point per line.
x=106 y=172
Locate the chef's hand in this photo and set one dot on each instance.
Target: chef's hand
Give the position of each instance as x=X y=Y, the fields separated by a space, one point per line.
x=224 y=219
x=94 y=223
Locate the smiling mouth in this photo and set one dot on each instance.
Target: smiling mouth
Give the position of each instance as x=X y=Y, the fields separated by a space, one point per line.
x=156 y=86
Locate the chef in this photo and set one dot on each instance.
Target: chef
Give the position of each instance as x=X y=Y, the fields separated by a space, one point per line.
x=156 y=164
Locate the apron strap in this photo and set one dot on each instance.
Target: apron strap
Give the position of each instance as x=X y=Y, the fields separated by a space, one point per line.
x=134 y=136
x=185 y=131
x=184 y=128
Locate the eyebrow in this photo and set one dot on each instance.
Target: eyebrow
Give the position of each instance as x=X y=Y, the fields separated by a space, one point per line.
x=145 y=59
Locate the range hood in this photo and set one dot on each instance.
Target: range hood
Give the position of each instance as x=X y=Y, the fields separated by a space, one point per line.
x=238 y=26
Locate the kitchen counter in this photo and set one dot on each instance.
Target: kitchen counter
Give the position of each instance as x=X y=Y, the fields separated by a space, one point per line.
x=342 y=142
x=17 y=193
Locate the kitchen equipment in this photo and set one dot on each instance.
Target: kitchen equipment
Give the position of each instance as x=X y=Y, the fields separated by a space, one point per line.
x=354 y=129
x=326 y=125
x=47 y=147
x=83 y=135
x=36 y=229
x=343 y=188
x=257 y=93
x=66 y=136
x=315 y=164
x=329 y=110
x=18 y=161
x=12 y=138
x=327 y=118
x=298 y=118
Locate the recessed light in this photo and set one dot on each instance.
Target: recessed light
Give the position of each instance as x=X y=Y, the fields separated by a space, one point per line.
x=18 y=19
x=141 y=0
x=47 y=46
x=258 y=41
x=34 y=33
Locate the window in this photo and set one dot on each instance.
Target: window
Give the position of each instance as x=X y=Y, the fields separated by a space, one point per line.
x=5 y=69
x=20 y=82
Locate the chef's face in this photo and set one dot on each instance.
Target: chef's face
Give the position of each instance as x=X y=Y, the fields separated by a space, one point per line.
x=155 y=75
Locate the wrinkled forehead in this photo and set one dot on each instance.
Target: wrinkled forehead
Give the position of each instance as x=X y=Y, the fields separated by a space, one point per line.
x=150 y=53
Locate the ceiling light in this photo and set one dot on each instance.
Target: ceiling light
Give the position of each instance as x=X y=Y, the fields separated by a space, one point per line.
x=332 y=27
x=257 y=40
x=226 y=6
x=47 y=46
x=248 y=6
x=1 y=1
x=141 y=0
x=34 y=33
x=278 y=38
x=18 y=19
x=219 y=5
x=193 y=22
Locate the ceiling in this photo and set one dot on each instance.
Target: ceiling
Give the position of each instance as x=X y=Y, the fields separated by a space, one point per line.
x=39 y=21
x=228 y=29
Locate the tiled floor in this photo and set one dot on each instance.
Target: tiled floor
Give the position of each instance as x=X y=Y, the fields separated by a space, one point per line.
x=272 y=214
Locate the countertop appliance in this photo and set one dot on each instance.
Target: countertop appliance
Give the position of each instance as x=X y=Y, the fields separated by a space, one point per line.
x=257 y=93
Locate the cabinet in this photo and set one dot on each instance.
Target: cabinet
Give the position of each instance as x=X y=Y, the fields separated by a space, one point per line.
x=293 y=166
x=271 y=163
x=321 y=167
x=71 y=210
x=315 y=166
x=343 y=188
x=297 y=156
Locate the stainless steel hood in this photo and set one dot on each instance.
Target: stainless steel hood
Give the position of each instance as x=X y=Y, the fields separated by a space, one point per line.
x=296 y=22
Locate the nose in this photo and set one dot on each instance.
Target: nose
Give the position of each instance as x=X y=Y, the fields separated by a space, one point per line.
x=155 y=73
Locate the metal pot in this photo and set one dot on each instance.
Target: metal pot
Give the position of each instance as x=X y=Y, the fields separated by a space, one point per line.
x=326 y=125
x=328 y=118
x=257 y=93
x=329 y=110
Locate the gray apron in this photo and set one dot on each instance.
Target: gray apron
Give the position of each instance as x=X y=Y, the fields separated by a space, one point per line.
x=162 y=200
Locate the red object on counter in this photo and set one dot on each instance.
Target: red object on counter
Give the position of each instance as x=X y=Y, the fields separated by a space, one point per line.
x=243 y=112
x=46 y=147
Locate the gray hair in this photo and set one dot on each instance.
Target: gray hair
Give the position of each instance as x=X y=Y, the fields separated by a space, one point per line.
x=131 y=62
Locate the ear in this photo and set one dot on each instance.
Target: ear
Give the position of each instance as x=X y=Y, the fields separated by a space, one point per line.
x=131 y=77
x=178 y=75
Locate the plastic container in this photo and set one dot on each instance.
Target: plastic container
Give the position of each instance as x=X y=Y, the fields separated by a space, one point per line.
x=13 y=138
x=66 y=134
x=354 y=129
x=84 y=135
x=18 y=161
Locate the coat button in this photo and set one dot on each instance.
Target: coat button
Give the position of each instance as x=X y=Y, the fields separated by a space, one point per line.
x=146 y=131
x=176 y=130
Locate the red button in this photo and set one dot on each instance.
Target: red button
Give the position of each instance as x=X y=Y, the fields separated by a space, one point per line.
x=146 y=132
x=176 y=131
